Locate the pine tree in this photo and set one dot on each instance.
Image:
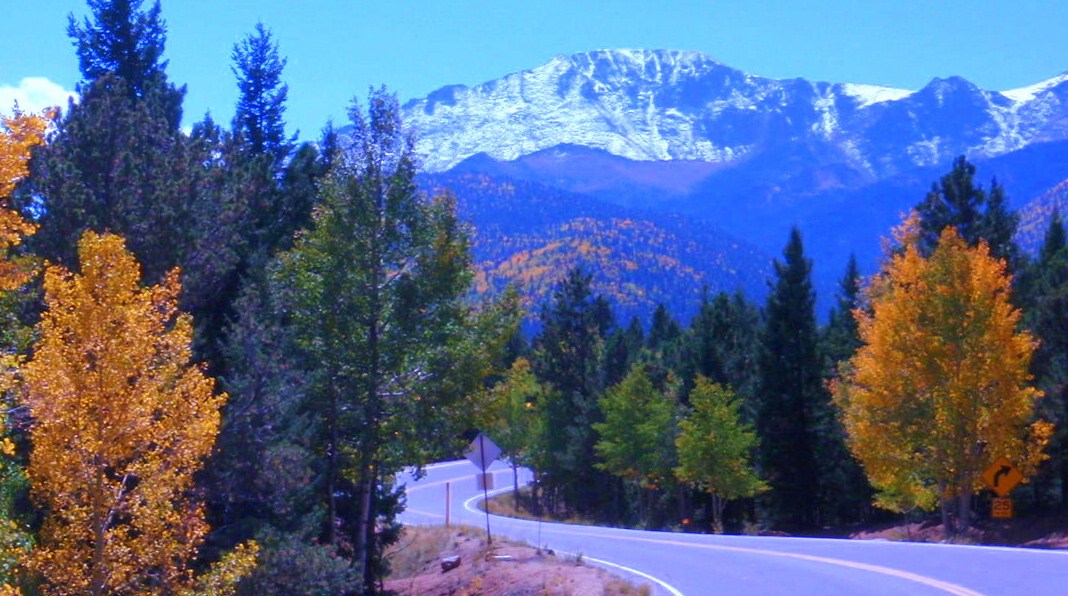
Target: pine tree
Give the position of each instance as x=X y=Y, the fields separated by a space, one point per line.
x=115 y=164
x=840 y=337
x=721 y=344
x=568 y=357
x=622 y=349
x=844 y=489
x=123 y=40
x=663 y=330
x=261 y=105
x=1046 y=316
x=790 y=393
x=956 y=200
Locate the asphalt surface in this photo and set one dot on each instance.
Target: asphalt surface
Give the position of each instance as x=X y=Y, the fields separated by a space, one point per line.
x=696 y=564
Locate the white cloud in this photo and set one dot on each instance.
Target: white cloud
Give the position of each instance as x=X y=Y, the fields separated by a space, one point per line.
x=33 y=94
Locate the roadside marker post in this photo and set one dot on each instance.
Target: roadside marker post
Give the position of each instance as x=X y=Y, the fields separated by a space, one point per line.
x=483 y=452
x=448 y=502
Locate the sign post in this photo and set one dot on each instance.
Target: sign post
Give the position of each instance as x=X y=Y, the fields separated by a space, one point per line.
x=483 y=452
x=1001 y=477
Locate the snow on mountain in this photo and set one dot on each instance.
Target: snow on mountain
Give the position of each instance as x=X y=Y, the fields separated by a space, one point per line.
x=1026 y=94
x=653 y=105
x=867 y=95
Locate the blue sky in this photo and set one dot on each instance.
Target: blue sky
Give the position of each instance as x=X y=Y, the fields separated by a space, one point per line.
x=338 y=48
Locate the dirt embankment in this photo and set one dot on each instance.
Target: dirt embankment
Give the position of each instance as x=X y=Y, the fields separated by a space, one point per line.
x=503 y=568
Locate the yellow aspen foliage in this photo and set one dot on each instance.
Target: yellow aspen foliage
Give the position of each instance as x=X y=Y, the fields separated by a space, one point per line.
x=18 y=134
x=940 y=387
x=122 y=420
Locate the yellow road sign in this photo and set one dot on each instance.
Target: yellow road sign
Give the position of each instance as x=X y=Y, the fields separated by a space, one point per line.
x=1002 y=476
x=1001 y=508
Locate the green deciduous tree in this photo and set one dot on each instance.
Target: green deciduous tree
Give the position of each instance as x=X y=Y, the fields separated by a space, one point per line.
x=374 y=292
x=636 y=438
x=513 y=422
x=715 y=448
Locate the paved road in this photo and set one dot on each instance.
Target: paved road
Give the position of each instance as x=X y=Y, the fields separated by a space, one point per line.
x=693 y=564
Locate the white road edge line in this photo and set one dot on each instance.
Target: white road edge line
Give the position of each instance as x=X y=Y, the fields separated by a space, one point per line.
x=642 y=574
x=663 y=584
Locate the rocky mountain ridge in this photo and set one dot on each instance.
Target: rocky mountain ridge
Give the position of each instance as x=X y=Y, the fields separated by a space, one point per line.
x=677 y=105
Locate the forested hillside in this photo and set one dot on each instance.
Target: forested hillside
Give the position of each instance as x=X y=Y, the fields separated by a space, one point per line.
x=530 y=235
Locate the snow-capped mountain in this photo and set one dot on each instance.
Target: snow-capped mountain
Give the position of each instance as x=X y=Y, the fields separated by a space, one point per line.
x=673 y=105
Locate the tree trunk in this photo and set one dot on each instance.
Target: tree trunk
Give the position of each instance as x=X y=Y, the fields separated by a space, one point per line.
x=680 y=501
x=364 y=532
x=535 y=500
x=718 y=505
x=964 y=509
x=947 y=521
x=515 y=483
x=331 y=475
x=98 y=578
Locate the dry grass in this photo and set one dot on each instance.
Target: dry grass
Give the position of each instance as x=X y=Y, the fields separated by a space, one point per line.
x=420 y=546
x=505 y=504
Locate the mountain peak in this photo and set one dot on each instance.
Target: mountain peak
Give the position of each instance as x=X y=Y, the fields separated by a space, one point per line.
x=651 y=105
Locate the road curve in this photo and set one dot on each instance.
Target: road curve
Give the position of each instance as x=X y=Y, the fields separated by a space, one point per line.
x=697 y=564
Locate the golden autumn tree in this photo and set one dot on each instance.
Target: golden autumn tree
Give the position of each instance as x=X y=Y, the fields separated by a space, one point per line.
x=940 y=387
x=19 y=133
x=121 y=422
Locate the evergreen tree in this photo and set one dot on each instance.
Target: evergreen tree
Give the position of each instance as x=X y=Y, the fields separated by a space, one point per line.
x=123 y=40
x=664 y=329
x=844 y=490
x=720 y=345
x=791 y=391
x=956 y=200
x=261 y=104
x=840 y=337
x=663 y=348
x=622 y=349
x=115 y=164
x=261 y=478
x=567 y=357
x=1047 y=317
